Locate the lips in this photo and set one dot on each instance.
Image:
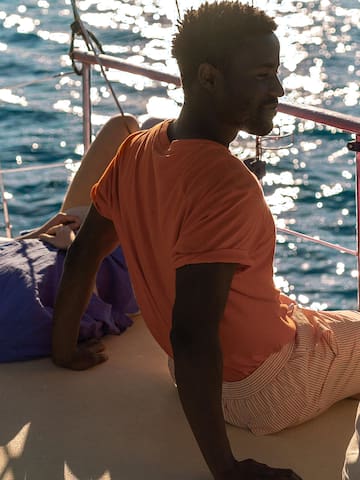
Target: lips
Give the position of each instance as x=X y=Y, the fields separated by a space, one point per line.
x=271 y=106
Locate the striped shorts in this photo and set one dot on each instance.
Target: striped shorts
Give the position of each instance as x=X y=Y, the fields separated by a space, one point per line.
x=307 y=376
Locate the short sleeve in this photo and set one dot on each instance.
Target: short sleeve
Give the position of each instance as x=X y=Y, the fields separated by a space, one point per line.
x=223 y=223
x=105 y=192
x=101 y=192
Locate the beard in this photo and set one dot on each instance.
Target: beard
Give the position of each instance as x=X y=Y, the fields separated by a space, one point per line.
x=261 y=122
x=251 y=118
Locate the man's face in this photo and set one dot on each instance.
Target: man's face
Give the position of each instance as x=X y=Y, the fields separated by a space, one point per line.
x=249 y=93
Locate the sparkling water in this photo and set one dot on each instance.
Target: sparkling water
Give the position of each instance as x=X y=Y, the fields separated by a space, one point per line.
x=310 y=180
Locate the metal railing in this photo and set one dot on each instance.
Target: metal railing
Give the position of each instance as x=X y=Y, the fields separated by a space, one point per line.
x=318 y=115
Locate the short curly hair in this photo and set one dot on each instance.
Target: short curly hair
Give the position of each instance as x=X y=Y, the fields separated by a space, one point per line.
x=214 y=32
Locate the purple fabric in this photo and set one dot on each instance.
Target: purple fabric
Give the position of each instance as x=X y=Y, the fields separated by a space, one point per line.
x=29 y=275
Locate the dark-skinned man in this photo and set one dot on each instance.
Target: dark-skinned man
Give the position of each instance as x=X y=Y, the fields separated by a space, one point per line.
x=199 y=241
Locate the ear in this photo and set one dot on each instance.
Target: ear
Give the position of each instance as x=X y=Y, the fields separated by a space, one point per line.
x=208 y=76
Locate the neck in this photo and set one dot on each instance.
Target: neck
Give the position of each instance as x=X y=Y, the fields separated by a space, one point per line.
x=201 y=122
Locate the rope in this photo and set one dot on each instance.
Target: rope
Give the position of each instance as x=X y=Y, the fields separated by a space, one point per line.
x=178 y=9
x=78 y=28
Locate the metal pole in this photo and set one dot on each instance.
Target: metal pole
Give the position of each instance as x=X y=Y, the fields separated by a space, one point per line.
x=5 y=208
x=86 y=82
x=357 y=160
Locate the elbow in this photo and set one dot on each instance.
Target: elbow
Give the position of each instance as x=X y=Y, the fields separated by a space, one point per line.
x=178 y=339
x=183 y=342
x=192 y=352
x=186 y=343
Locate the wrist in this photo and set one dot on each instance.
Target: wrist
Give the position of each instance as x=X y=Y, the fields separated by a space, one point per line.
x=62 y=355
x=61 y=361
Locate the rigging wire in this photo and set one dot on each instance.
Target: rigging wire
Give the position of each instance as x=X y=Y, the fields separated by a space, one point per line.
x=79 y=28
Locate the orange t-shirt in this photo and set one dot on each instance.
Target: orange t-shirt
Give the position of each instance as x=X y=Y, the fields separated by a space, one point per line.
x=191 y=201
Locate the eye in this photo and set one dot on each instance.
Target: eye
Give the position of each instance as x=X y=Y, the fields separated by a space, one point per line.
x=268 y=74
x=262 y=76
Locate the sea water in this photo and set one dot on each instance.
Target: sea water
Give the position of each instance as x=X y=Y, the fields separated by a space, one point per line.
x=310 y=180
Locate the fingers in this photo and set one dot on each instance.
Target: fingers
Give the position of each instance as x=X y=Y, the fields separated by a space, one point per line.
x=91 y=360
x=52 y=230
x=280 y=474
x=47 y=238
x=73 y=221
x=58 y=228
x=93 y=345
x=86 y=359
x=60 y=236
x=251 y=469
x=283 y=474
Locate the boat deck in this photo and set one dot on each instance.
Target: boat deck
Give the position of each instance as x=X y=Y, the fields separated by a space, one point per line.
x=123 y=421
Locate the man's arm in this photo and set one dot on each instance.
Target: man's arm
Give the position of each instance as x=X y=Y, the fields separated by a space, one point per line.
x=201 y=295
x=96 y=239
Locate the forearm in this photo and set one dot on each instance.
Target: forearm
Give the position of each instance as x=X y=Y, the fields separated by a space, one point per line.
x=31 y=234
x=72 y=299
x=198 y=374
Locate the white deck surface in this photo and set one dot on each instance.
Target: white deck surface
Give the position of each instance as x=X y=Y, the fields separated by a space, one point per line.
x=123 y=421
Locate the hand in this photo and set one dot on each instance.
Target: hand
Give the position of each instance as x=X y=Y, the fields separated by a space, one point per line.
x=251 y=470
x=62 y=218
x=60 y=236
x=71 y=221
x=87 y=355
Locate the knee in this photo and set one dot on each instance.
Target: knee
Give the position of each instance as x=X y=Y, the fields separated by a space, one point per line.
x=123 y=124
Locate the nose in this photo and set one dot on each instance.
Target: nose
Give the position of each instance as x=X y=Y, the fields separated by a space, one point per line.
x=278 y=90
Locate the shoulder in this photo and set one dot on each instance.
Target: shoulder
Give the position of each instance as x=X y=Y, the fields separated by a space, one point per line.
x=135 y=142
x=214 y=170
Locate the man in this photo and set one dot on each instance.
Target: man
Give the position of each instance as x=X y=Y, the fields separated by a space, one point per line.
x=199 y=242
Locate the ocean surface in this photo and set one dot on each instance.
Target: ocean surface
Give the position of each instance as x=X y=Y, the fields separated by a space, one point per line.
x=310 y=176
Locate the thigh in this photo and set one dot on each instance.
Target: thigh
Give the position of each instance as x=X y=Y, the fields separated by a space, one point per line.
x=324 y=367
x=344 y=375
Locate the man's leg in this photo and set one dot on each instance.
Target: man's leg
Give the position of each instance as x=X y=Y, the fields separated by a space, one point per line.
x=303 y=379
x=95 y=161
